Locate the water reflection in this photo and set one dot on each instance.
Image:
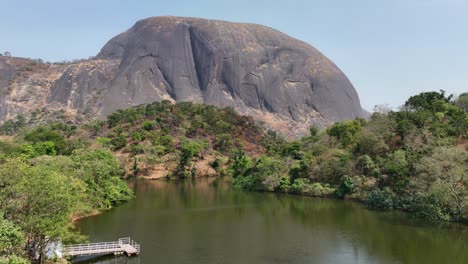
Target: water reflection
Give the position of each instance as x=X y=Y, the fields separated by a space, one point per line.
x=203 y=221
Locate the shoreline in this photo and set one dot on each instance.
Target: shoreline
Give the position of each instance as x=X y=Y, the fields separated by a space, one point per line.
x=76 y=218
x=354 y=200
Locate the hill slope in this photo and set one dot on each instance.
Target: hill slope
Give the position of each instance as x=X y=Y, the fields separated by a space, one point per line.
x=259 y=71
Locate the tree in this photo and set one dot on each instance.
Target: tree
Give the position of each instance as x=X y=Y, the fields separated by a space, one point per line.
x=396 y=168
x=188 y=150
x=11 y=239
x=264 y=175
x=431 y=101
x=444 y=176
x=7 y=53
x=313 y=131
x=40 y=200
x=95 y=127
x=241 y=163
x=346 y=132
x=101 y=172
x=47 y=134
x=462 y=101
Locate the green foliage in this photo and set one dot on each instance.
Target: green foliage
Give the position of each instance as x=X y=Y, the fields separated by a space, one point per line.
x=11 y=127
x=11 y=238
x=292 y=149
x=247 y=183
x=265 y=174
x=300 y=186
x=313 y=130
x=381 y=199
x=372 y=144
x=101 y=172
x=118 y=142
x=333 y=164
x=272 y=142
x=149 y=125
x=398 y=159
x=268 y=171
x=104 y=141
x=13 y=260
x=166 y=141
x=223 y=142
x=346 y=187
x=303 y=186
x=240 y=165
x=135 y=149
x=40 y=199
x=347 y=132
x=429 y=207
x=46 y=134
x=137 y=136
x=189 y=150
x=319 y=189
x=397 y=170
x=366 y=166
x=404 y=159
x=443 y=177
x=432 y=101
x=462 y=101
x=95 y=126
x=39 y=149
x=9 y=149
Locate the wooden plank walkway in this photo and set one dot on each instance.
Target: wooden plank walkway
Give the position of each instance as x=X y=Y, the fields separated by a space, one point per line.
x=122 y=246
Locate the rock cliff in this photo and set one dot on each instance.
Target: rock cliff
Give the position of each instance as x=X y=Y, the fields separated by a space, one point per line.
x=279 y=80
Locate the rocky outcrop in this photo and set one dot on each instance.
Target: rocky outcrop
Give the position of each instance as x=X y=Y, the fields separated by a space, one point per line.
x=259 y=71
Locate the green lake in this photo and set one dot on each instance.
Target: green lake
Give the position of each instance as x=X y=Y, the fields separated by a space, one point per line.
x=204 y=221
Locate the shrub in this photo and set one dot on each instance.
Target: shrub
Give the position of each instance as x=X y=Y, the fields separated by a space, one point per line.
x=240 y=165
x=137 y=136
x=119 y=142
x=317 y=189
x=346 y=187
x=104 y=141
x=189 y=150
x=135 y=149
x=148 y=125
x=216 y=164
x=381 y=199
x=284 y=184
x=43 y=134
x=223 y=142
x=268 y=171
x=167 y=141
x=247 y=183
x=428 y=207
x=300 y=186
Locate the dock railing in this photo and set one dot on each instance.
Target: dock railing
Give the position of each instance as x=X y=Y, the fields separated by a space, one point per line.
x=123 y=245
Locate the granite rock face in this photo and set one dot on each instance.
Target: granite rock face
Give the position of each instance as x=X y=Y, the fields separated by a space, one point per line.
x=259 y=71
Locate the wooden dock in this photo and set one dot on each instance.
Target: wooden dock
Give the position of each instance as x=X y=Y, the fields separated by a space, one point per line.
x=123 y=246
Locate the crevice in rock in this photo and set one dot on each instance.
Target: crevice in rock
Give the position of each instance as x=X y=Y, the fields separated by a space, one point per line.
x=193 y=46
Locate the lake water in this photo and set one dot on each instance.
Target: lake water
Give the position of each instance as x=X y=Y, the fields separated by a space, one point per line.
x=204 y=221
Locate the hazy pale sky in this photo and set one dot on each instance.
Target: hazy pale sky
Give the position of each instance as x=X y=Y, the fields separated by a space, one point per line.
x=388 y=49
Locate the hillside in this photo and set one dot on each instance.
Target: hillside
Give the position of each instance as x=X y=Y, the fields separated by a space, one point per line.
x=261 y=72
x=413 y=160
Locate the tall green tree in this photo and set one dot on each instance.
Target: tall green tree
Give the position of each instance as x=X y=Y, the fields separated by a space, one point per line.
x=40 y=200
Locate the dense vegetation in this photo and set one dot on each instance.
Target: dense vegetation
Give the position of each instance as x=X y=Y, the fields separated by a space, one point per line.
x=52 y=173
x=45 y=181
x=414 y=159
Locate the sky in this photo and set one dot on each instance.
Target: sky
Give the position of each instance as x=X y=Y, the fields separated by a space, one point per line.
x=389 y=49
